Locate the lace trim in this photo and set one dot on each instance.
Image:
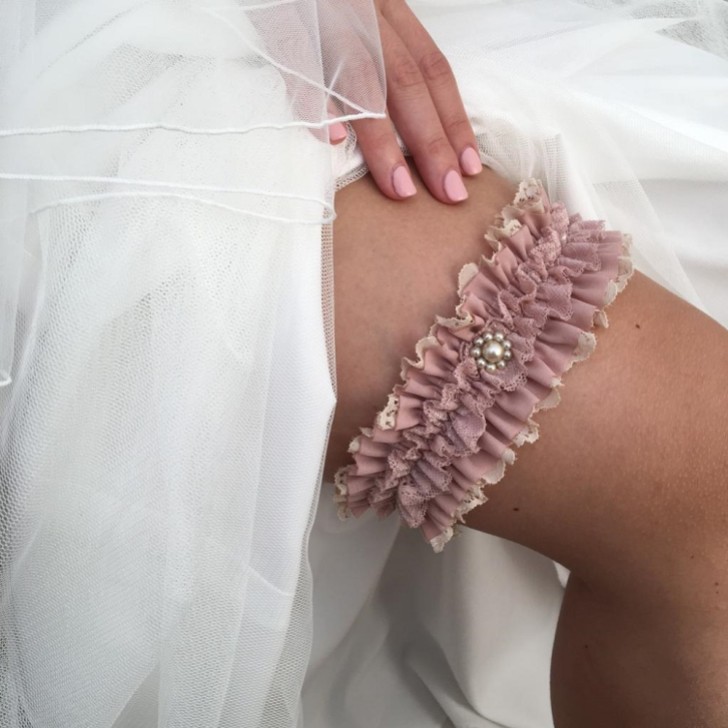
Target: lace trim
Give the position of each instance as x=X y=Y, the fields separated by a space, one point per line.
x=448 y=429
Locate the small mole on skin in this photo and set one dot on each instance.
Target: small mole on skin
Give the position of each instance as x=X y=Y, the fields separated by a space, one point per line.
x=717 y=583
x=516 y=509
x=637 y=326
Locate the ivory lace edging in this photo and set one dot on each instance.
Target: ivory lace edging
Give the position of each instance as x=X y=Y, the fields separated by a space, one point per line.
x=449 y=428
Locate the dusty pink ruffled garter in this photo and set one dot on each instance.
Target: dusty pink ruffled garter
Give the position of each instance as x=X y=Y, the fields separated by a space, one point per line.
x=525 y=316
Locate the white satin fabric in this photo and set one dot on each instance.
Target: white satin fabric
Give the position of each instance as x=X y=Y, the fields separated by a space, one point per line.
x=166 y=359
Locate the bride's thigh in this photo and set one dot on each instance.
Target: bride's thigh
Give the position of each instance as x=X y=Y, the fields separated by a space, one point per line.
x=626 y=484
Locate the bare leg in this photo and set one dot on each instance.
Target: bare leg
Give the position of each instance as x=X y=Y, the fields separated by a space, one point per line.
x=626 y=485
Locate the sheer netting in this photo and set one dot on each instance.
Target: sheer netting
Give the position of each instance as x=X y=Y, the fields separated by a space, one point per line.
x=164 y=177
x=164 y=185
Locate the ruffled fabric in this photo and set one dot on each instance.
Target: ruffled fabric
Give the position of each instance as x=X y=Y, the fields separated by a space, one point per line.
x=449 y=428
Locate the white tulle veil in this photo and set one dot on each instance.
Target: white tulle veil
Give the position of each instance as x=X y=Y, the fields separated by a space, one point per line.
x=164 y=179
x=165 y=307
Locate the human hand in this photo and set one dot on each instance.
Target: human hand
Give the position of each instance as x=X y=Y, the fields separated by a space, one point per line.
x=424 y=105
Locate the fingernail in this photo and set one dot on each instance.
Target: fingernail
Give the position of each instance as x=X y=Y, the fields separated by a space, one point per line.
x=454 y=187
x=337 y=132
x=402 y=181
x=470 y=161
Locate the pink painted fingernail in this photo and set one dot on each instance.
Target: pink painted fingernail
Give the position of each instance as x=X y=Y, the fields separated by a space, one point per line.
x=337 y=132
x=454 y=187
x=402 y=182
x=470 y=161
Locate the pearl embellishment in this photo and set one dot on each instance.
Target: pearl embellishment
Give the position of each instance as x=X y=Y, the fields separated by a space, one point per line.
x=491 y=351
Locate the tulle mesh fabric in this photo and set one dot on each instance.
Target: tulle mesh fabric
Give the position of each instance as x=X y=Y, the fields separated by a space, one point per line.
x=165 y=176
x=164 y=101
x=164 y=187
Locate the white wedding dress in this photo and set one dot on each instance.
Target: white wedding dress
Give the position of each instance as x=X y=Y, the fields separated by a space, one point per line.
x=168 y=555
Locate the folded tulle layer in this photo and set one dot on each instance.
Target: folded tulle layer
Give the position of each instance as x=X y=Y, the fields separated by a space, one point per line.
x=525 y=315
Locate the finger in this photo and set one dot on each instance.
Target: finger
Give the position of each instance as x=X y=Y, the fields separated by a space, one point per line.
x=337 y=131
x=440 y=81
x=376 y=137
x=414 y=115
x=378 y=143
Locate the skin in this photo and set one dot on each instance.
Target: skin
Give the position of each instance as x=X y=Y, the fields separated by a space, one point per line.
x=425 y=108
x=625 y=487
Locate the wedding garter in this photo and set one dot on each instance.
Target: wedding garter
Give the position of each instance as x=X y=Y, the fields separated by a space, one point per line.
x=525 y=317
